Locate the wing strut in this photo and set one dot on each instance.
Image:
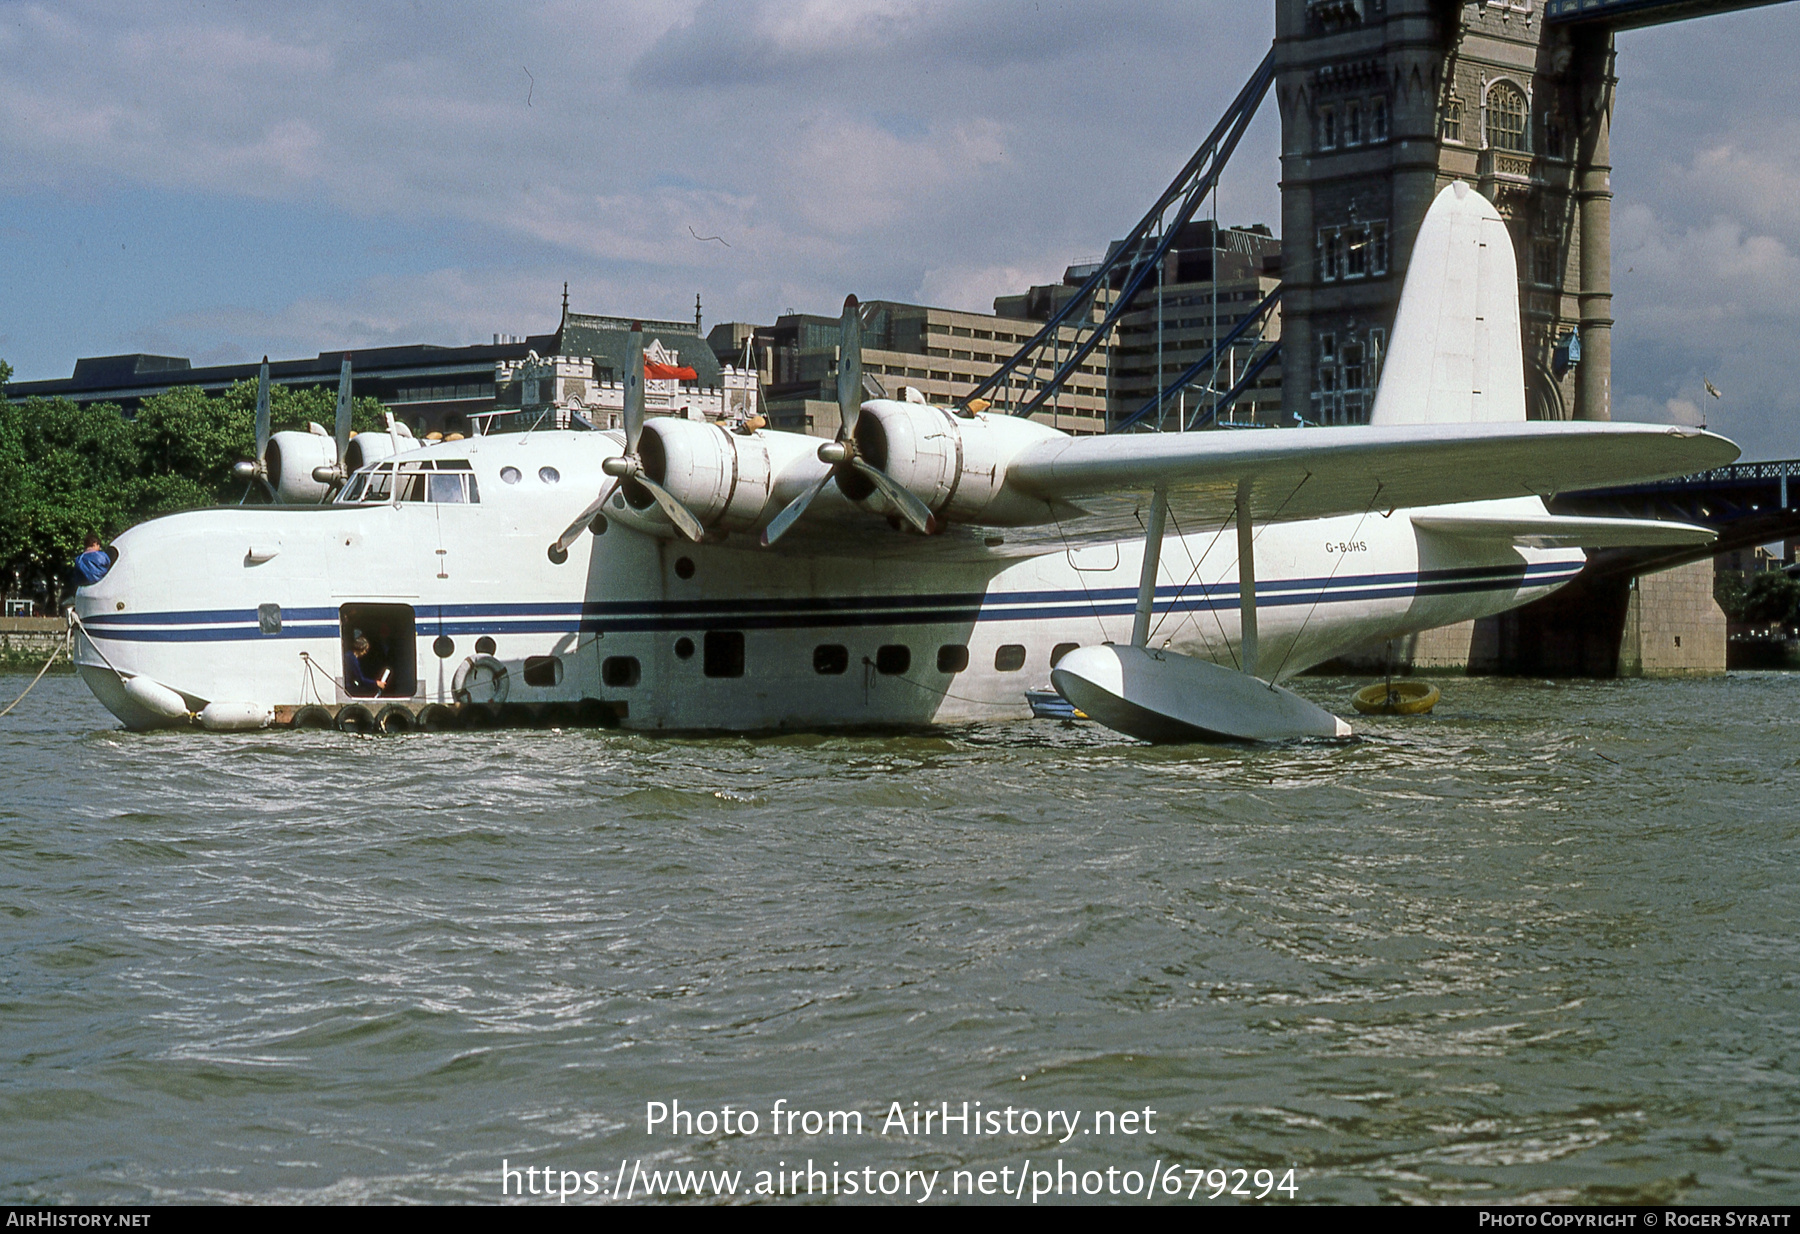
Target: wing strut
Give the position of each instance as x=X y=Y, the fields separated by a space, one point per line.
x=1246 y=580
x=1164 y=695
x=1153 y=538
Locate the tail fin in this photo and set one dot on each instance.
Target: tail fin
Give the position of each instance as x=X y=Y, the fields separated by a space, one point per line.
x=1455 y=356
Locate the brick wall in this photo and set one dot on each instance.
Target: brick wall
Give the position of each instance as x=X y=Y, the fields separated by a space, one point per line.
x=28 y=641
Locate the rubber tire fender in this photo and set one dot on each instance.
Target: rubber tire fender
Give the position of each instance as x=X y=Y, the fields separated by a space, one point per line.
x=438 y=718
x=394 y=719
x=501 y=680
x=356 y=718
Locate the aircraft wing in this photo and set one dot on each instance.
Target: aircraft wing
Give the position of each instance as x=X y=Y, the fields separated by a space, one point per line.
x=1321 y=472
x=1097 y=488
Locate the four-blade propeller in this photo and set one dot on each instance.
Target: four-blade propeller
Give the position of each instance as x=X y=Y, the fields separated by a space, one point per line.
x=336 y=473
x=258 y=468
x=628 y=468
x=842 y=453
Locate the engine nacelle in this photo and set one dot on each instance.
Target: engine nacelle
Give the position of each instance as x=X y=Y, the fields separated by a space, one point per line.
x=724 y=479
x=289 y=461
x=956 y=466
x=366 y=448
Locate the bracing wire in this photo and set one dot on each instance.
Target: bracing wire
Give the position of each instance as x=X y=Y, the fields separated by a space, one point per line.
x=1323 y=587
x=1080 y=577
x=1205 y=591
x=1206 y=588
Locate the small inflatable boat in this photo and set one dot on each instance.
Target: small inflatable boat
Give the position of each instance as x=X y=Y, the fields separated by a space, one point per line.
x=1047 y=704
x=1396 y=698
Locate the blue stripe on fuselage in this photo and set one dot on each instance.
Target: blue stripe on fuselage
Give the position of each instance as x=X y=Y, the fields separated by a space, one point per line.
x=629 y=616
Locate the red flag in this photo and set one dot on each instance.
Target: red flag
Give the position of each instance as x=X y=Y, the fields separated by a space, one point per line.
x=668 y=372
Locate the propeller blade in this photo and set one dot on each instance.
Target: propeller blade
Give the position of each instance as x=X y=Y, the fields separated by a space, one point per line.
x=575 y=528
x=634 y=388
x=262 y=409
x=916 y=511
x=849 y=376
x=685 y=522
x=343 y=411
x=779 y=525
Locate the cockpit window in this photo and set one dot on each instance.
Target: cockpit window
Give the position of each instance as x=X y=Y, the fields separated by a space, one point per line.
x=381 y=485
x=444 y=481
x=450 y=488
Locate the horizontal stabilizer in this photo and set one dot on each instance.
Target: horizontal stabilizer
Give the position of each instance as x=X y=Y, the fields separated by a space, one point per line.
x=1556 y=531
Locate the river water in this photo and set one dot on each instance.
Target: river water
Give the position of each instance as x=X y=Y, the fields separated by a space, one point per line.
x=1541 y=945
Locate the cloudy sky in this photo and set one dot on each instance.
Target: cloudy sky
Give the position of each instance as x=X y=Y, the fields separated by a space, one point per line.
x=222 y=180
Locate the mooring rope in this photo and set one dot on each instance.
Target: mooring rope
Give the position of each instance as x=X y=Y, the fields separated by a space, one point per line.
x=40 y=676
x=76 y=621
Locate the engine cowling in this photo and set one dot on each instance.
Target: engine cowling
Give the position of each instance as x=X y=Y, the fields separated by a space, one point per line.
x=724 y=479
x=955 y=465
x=289 y=461
x=366 y=448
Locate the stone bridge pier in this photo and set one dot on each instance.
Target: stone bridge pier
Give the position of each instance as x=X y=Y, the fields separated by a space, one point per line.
x=1665 y=624
x=1631 y=612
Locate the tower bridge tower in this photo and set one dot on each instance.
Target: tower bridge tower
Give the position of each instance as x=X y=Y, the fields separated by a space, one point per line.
x=1383 y=102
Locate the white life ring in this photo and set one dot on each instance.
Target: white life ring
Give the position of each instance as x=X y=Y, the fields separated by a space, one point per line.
x=480 y=679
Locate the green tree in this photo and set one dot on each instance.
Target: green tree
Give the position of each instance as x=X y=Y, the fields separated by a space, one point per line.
x=190 y=441
x=1771 y=598
x=65 y=471
x=187 y=444
x=1728 y=591
x=291 y=408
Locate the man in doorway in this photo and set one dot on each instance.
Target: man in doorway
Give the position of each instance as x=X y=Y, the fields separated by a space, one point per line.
x=365 y=674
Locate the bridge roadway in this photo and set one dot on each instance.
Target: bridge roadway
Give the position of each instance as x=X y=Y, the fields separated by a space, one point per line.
x=1746 y=503
x=1632 y=14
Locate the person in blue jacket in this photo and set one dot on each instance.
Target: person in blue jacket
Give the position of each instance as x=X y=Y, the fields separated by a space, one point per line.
x=93 y=563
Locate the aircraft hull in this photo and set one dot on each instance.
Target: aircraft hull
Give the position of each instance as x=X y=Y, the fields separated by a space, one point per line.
x=250 y=605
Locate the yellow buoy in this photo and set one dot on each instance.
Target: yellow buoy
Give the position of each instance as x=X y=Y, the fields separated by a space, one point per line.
x=1396 y=698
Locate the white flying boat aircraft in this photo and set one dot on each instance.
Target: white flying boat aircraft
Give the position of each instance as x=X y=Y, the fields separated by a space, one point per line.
x=928 y=566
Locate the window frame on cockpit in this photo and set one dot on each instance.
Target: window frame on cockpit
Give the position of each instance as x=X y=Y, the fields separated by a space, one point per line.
x=363 y=493
x=413 y=480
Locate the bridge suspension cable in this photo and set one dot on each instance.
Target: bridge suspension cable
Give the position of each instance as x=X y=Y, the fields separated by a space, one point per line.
x=1134 y=260
x=1209 y=362
x=1269 y=355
